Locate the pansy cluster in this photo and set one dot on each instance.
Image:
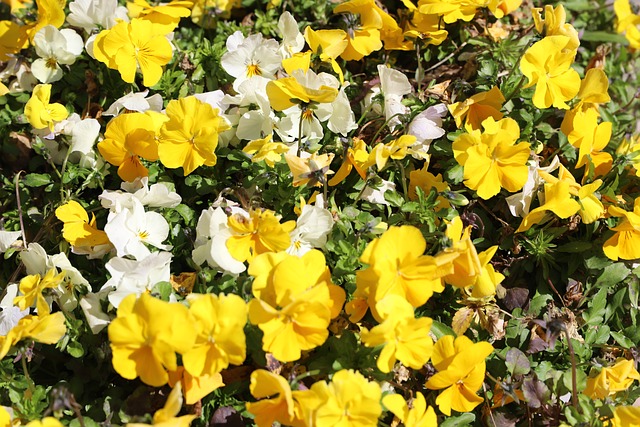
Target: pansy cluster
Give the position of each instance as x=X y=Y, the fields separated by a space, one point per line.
x=313 y=234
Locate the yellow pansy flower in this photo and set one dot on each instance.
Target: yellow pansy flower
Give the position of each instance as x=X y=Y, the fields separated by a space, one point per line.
x=190 y=136
x=46 y=329
x=166 y=14
x=418 y=416
x=49 y=12
x=31 y=288
x=265 y=149
x=467 y=266
x=289 y=91
x=13 y=38
x=310 y=170
x=128 y=138
x=625 y=243
x=473 y=111
x=349 y=400
x=611 y=380
x=42 y=114
x=404 y=337
x=591 y=207
x=492 y=160
x=554 y=24
x=129 y=45
x=145 y=336
x=220 y=339
x=259 y=233
x=294 y=303
x=450 y=10
x=364 y=28
x=78 y=229
x=626 y=416
x=356 y=157
x=278 y=402
x=195 y=388
x=547 y=64
x=557 y=199
x=398 y=266
x=46 y=422
x=426 y=181
x=461 y=368
x=396 y=150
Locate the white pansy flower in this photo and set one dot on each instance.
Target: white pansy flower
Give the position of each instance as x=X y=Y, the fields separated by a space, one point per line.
x=427 y=125
x=130 y=230
x=136 y=101
x=8 y=238
x=55 y=47
x=91 y=306
x=292 y=39
x=312 y=228
x=136 y=276
x=158 y=195
x=91 y=14
x=24 y=79
x=254 y=56
x=82 y=134
x=394 y=86
x=210 y=246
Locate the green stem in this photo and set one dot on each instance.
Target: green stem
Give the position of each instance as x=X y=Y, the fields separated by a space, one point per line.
x=403 y=177
x=16 y=181
x=23 y=361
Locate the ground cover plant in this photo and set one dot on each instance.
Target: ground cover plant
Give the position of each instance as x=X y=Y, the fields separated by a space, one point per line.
x=328 y=213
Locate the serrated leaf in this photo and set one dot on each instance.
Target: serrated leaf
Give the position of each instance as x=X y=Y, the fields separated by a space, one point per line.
x=517 y=362
x=462 y=320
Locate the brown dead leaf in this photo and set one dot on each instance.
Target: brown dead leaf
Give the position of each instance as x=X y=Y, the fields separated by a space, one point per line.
x=183 y=283
x=462 y=320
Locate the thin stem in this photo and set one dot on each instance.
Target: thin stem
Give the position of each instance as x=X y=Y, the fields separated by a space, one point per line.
x=302 y=110
x=386 y=123
x=23 y=361
x=403 y=177
x=16 y=181
x=574 y=381
x=446 y=58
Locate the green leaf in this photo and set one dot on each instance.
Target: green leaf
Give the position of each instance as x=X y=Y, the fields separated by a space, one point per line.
x=36 y=179
x=574 y=247
x=603 y=36
x=75 y=349
x=163 y=289
x=612 y=274
x=622 y=340
x=537 y=303
x=460 y=421
x=439 y=329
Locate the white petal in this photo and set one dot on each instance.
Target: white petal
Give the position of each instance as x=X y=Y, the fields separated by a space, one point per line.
x=7 y=238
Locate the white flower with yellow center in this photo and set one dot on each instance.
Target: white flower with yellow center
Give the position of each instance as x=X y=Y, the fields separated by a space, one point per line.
x=55 y=47
x=251 y=56
x=131 y=230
